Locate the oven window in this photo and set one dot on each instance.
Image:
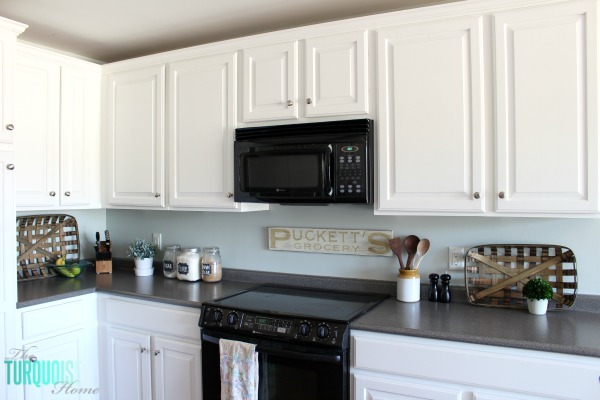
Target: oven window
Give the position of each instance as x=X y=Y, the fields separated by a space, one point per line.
x=283 y=378
x=268 y=172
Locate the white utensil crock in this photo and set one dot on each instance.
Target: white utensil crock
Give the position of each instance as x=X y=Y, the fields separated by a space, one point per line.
x=409 y=286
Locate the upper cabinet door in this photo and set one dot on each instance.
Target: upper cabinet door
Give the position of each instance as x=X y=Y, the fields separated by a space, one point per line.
x=201 y=114
x=135 y=137
x=270 y=82
x=79 y=137
x=547 y=109
x=9 y=30
x=431 y=117
x=337 y=75
x=37 y=108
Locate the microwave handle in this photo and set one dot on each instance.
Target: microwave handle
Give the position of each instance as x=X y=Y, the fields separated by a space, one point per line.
x=328 y=168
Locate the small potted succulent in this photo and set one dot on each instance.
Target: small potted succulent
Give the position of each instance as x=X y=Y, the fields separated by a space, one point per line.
x=143 y=253
x=538 y=291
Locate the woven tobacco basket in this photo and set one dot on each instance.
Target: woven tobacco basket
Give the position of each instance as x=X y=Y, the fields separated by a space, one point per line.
x=42 y=239
x=496 y=273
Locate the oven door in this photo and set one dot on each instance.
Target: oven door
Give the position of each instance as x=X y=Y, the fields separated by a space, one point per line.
x=286 y=371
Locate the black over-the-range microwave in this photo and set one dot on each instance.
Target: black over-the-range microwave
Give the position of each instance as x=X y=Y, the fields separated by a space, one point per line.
x=311 y=163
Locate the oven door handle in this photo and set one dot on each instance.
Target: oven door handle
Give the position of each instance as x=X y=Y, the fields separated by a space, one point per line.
x=328 y=358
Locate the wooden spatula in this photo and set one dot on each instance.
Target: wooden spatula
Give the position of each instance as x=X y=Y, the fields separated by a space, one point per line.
x=396 y=245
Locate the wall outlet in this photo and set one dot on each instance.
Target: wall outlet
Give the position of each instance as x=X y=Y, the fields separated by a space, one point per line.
x=456 y=258
x=157 y=240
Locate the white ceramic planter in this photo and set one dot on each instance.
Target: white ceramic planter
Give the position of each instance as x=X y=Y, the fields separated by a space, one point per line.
x=144 y=272
x=143 y=263
x=537 y=307
x=409 y=286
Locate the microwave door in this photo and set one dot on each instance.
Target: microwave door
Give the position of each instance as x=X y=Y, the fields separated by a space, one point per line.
x=287 y=175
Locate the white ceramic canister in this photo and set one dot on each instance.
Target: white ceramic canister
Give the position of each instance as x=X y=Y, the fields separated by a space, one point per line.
x=188 y=265
x=212 y=270
x=409 y=286
x=170 y=260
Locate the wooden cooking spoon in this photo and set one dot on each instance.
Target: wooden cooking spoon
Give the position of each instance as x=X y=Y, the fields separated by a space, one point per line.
x=410 y=244
x=422 y=249
x=396 y=246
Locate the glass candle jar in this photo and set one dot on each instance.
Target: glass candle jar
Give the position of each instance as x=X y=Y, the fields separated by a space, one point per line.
x=212 y=270
x=188 y=265
x=170 y=260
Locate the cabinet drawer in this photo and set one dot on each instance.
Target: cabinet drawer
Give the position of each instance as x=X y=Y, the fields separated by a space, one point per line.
x=155 y=318
x=525 y=371
x=56 y=318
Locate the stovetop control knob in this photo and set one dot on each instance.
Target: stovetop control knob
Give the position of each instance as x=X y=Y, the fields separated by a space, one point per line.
x=232 y=318
x=322 y=331
x=217 y=316
x=304 y=328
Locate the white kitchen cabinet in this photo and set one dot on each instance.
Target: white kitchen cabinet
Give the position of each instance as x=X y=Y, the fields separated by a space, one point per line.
x=135 y=137
x=337 y=79
x=153 y=351
x=9 y=30
x=547 y=109
x=335 y=72
x=201 y=101
x=442 y=151
x=386 y=366
x=141 y=364
x=129 y=374
x=61 y=333
x=431 y=117
x=58 y=146
x=271 y=82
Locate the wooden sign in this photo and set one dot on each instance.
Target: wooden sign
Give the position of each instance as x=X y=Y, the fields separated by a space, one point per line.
x=333 y=241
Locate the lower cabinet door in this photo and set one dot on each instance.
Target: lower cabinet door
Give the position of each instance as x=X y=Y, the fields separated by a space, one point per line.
x=378 y=388
x=129 y=365
x=177 y=370
x=58 y=368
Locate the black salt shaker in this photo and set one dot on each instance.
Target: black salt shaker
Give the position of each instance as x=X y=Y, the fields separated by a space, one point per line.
x=444 y=295
x=433 y=289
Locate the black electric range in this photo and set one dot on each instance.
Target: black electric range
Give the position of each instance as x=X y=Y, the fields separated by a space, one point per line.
x=305 y=316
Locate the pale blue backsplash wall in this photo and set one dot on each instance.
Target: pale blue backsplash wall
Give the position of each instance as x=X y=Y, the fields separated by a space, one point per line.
x=242 y=238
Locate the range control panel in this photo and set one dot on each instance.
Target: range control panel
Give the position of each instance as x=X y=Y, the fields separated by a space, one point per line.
x=289 y=328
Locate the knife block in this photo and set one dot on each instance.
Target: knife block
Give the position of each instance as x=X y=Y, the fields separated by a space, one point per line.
x=103 y=266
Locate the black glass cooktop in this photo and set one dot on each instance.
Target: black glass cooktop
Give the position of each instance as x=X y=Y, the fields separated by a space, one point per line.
x=300 y=302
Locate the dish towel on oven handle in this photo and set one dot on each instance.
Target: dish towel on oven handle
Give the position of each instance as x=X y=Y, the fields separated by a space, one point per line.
x=239 y=370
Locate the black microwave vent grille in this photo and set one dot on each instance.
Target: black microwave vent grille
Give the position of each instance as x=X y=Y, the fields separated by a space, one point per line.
x=345 y=127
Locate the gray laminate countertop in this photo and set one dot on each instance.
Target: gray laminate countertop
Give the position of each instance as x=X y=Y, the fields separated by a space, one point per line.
x=569 y=331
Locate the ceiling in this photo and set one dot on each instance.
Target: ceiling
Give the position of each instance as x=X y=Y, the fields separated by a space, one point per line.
x=112 y=30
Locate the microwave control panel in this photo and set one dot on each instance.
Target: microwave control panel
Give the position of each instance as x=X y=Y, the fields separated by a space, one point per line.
x=350 y=180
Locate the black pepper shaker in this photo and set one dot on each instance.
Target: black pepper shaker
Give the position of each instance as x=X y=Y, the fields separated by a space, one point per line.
x=444 y=296
x=433 y=289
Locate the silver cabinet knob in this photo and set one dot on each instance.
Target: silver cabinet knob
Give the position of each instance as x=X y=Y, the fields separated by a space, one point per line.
x=156 y=195
x=143 y=349
x=476 y=195
x=52 y=193
x=67 y=194
x=501 y=195
x=32 y=358
x=156 y=352
x=10 y=127
x=290 y=103
x=229 y=195
x=309 y=101
x=10 y=167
